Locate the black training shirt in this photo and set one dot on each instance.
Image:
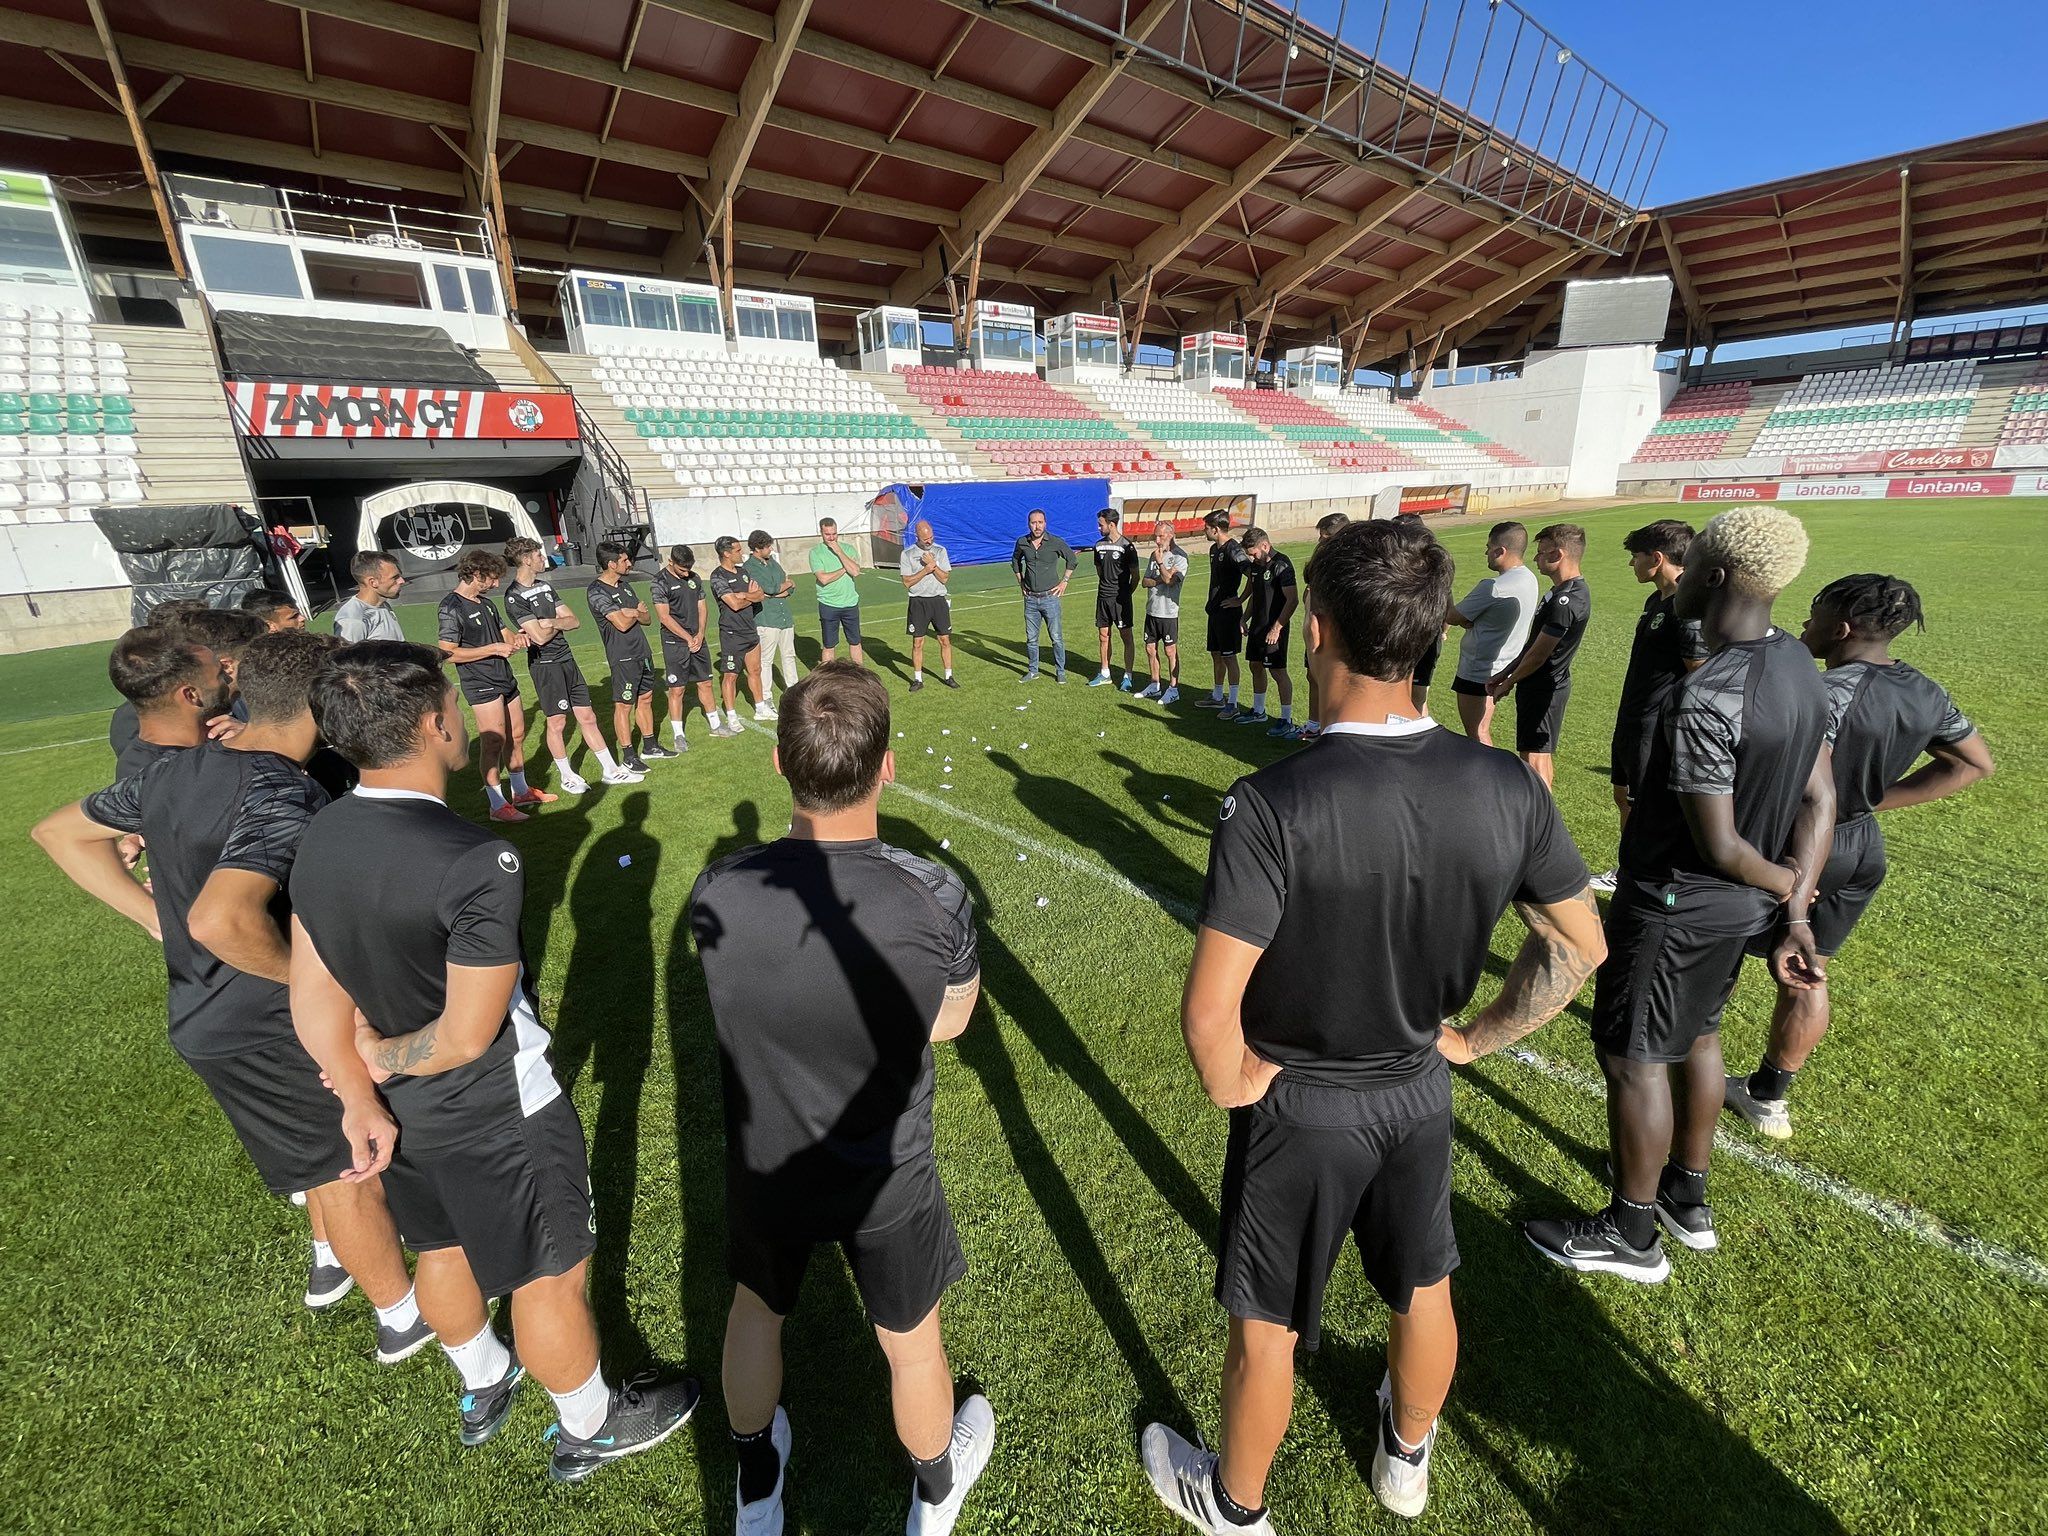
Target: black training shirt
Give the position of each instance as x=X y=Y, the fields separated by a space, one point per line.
x=1227 y=562
x=139 y=755
x=539 y=601
x=200 y=810
x=684 y=598
x=1657 y=659
x=1749 y=722
x=738 y=629
x=1116 y=564
x=1267 y=585
x=393 y=888
x=1564 y=612
x=1371 y=871
x=826 y=964
x=619 y=645
x=1884 y=717
x=468 y=622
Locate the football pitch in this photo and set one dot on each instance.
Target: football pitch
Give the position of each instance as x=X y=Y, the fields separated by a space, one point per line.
x=1868 y=1351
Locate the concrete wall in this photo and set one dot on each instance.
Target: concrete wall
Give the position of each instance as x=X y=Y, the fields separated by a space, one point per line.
x=43 y=620
x=1588 y=409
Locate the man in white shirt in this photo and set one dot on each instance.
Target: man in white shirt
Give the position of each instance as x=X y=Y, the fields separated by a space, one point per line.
x=926 y=569
x=1495 y=615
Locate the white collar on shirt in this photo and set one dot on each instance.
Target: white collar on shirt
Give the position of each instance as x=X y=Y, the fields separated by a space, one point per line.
x=369 y=792
x=1394 y=725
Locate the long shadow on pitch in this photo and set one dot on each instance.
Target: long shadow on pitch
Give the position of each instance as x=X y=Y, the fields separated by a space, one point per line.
x=1171 y=799
x=1249 y=744
x=848 y=1472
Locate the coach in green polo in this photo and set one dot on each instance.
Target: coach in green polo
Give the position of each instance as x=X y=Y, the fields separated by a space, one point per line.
x=834 y=569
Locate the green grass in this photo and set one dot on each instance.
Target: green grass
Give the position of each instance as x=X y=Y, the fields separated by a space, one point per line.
x=1822 y=1372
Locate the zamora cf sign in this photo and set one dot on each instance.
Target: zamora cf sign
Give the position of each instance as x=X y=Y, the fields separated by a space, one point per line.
x=356 y=412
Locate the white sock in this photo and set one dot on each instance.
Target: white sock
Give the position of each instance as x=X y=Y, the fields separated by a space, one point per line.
x=518 y=780
x=1233 y=695
x=1258 y=703
x=949 y=671
x=1314 y=725
x=1287 y=714
x=563 y=770
x=732 y=718
x=583 y=1410
x=495 y=795
x=481 y=1362
x=605 y=762
x=675 y=730
x=1216 y=692
x=402 y=1314
x=917 y=676
x=323 y=1253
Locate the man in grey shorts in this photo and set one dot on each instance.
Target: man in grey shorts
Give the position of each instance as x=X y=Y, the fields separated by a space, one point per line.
x=1166 y=569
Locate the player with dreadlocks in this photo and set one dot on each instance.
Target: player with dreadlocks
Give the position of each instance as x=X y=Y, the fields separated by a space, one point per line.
x=1886 y=714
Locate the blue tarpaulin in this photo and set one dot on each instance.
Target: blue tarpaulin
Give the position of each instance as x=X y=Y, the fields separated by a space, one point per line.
x=979 y=522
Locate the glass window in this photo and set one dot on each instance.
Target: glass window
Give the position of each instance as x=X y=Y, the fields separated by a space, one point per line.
x=1008 y=343
x=795 y=325
x=31 y=249
x=448 y=283
x=1097 y=349
x=903 y=335
x=483 y=293
x=699 y=313
x=246 y=266
x=654 y=311
x=364 y=280
x=755 y=322
x=601 y=303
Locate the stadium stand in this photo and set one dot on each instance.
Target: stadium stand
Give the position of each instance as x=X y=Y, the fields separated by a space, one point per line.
x=67 y=425
x=1696 y=424
x=1919 y=405
x=1340 y=444
x=2026 y=421
x=1423 y=433
x=727 y=426
x=260 y=346
x=1027 y=427
x=1199 y=430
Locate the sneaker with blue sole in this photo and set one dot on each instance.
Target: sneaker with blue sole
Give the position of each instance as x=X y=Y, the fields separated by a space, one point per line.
x=1099 y=680
x=644 y=1412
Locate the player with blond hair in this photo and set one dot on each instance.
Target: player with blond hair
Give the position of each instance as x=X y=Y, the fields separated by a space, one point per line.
x=1725 y=842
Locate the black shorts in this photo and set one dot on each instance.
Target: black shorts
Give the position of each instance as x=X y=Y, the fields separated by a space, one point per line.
x=1272 y=657
x=1539 y=714
x=515 y=1199
x=560 y=686
x=1465 y=685
x=832 y=620
x=1162 y=629
x=488 y=687
x=902 y=1248
x=287 y=1122
x=631 y=677
x=1849 y=880
x=1311 y=1164
x=682 y=665
x=929 y=616
x=1628 y=758
x=1425 y=669
x=734 y=663
x=1226 y=632
x=1673 y=954
x=1112 y=609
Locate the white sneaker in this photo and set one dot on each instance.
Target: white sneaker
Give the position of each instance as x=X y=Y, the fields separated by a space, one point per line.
x=1605 y=884
x=974 y=1436
x=1184 y=1477
x=1171 y=696
x=622 y=775
x=570 y=784
x=1770 y=1116
x=763 y=1517
x=764 y=712
x=1400 y=1479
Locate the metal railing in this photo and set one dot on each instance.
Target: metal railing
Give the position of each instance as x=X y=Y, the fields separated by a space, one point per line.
x=619 y=502
x=207 y=201
x=1473 y=95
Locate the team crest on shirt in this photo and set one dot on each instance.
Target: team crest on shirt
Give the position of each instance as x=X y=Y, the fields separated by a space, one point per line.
x=1228 y=809
x=1656 y=621
x=561 y=703
x=508 y=861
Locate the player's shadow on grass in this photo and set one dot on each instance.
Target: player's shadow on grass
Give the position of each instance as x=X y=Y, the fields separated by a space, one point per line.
x=1084 y=818
x=1172 y=799
x=1249 y=744
x=849 y=1466
x=1005 y=654
x=605 y=1025
x=1588 y=1156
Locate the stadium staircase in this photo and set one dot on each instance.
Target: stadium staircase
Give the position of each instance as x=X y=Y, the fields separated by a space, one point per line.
x=715 y=426
x=1027 y=428
x=1425 y=434
x=936 y=427
x=1191 y=428
x=2001 y=387
x=1763 y=399
x=1311 y=429
x=92 y=415
x=1697 y=423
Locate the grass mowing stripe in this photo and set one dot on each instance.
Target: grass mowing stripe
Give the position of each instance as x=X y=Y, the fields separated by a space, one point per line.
x=2023 y=1267
x=2019 y=1266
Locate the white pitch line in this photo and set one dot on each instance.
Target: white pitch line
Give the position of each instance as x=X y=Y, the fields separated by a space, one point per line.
x=76 y=741
x=1901 y=1218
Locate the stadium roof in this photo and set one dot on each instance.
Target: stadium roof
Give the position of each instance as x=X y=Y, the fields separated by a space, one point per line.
x=1206 y=162
x=1948 y=230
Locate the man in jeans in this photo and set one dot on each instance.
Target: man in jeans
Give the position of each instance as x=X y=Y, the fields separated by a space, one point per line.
x=774 y=620
x=834 y=569
x=1043 y=563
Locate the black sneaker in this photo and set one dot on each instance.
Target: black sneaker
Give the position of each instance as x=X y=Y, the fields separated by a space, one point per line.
x=656 y=749
x=396 y=1344
x=917 y=685
x=632 y=762
x=643 y=1414
x=1594 y=1243
x=951 y=681
x=484 y=1410
x=326 y=1284
x=1692 y=1225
